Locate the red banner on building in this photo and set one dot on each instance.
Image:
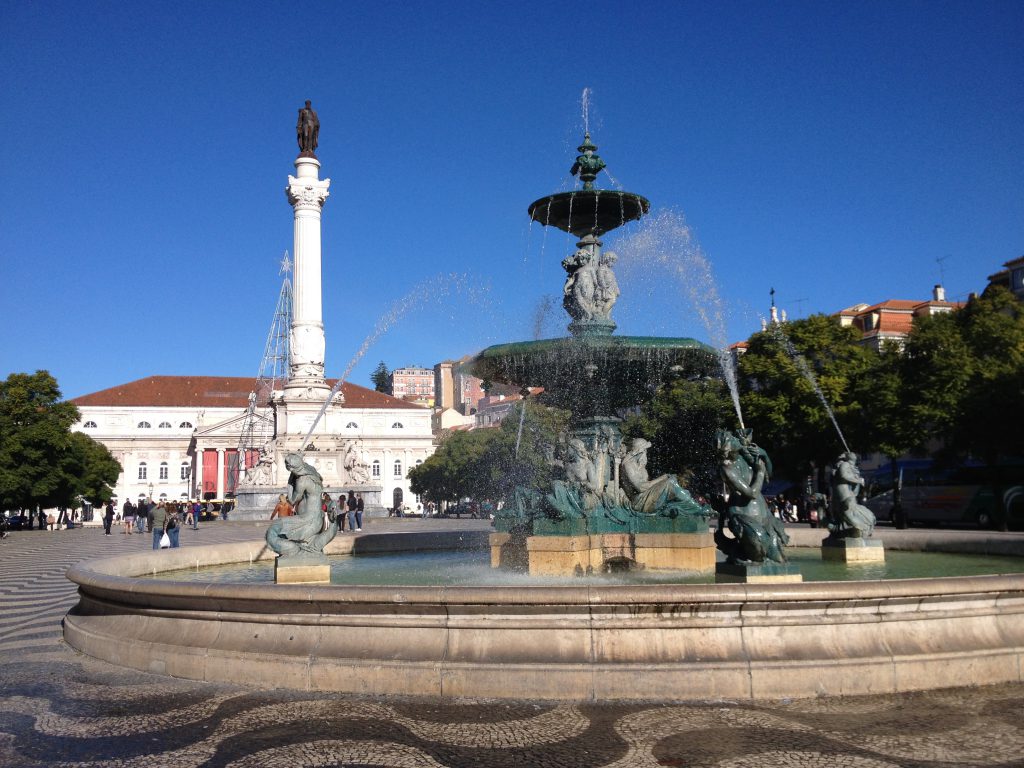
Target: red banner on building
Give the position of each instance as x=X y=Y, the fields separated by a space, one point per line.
x=210 y=473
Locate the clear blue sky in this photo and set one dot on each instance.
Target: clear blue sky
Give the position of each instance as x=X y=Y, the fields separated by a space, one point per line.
x=833 y=151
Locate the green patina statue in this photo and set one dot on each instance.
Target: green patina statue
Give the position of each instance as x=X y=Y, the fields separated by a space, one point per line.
x=588 y=164
x=757 y=535
x=310 y=529
x=850 y=520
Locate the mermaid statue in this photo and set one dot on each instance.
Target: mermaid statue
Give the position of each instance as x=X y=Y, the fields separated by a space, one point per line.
x=757 y=535
x=308 y=531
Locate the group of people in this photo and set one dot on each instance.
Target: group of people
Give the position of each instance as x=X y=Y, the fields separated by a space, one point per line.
x=159 y=518
x=347 y=509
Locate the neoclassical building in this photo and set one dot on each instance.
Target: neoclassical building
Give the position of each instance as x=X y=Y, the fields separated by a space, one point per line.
x=177 y=437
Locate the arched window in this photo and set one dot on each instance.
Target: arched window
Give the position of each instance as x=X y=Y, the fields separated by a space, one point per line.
x=375 y=468
x=144 y=425
x=89 y=425
x=163 y=470
x=185 y=425
x=163 y=497
x=142 y=498
x=184 y=496
x=398 y=467
x=164 y=425
x=418 y=462
x=351 y=425
x=398 y=425
x=142 y=471
x=185 y=467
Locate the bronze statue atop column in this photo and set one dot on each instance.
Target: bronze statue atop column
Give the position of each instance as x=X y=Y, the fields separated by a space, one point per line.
x=307 y=131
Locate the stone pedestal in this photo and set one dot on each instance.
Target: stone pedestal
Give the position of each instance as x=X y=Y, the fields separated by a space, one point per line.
x=302 y=569
x=854 y=550
x=757 y=573
x=255 y=502
x=595 y=553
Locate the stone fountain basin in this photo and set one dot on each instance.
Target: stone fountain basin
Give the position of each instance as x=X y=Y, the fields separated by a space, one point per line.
x=588 y=211
x=668 y=642
x=628 y=366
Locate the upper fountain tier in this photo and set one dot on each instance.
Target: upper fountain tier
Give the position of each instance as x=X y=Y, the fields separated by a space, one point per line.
x=588 y=211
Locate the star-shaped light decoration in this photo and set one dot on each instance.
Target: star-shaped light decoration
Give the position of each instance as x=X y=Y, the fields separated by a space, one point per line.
x=286 y=265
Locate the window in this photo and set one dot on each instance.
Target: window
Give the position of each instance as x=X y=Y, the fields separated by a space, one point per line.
x=144 y=425
x=351 y=425
x=398 y=467
x=418 y=462
x=397 y=425
x=163 y=497
x=163 y=470
x=375 y=468
x=185 y=467
x=89 y=425
x=142 y=471
x=164 y=425
x=142 y=497
x=185 y=425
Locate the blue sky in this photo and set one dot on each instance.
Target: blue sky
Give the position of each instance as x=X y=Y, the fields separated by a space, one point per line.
x=833 y=151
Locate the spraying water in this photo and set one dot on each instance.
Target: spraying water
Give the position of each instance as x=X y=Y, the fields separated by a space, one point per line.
x=585 y=104
x=522 y=418
x=665 y=240
x=434 y=289
x=779 y=334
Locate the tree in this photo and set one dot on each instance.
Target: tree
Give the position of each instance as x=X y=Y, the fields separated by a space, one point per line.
x=965 y=378
x=381 y=378
x=43 y=463
x=490 y=463
x=782 y=405
x=680 y=422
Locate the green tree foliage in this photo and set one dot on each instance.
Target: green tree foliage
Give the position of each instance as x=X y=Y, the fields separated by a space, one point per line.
x=964 y=373
x=680 y=423
x=484 y=464
x=43 y=463
x=381 y=377
x=781 y=405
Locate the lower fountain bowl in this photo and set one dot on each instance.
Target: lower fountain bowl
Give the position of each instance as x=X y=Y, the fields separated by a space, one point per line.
x=669 y=642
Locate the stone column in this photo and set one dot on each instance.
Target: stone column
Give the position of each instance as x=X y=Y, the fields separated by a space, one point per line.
x=307 y=194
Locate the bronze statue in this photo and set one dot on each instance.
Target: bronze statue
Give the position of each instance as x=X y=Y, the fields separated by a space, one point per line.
x=310 y=529
x=307 y=131
x=849 y=518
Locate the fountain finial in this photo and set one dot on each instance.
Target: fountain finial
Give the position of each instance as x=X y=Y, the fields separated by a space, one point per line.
x=588 y=164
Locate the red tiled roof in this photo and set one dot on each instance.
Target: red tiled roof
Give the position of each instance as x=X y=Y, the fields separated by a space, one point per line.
x=892 y=322
x=215 y=392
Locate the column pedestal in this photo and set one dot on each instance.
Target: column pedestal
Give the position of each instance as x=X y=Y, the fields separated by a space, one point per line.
x=854 y=550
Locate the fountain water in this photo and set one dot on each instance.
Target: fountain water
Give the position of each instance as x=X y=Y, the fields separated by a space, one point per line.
x=664 y=240
x=779 y=334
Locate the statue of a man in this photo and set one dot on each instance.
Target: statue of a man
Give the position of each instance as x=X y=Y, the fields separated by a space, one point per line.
x=307 y=131
x=653 y=495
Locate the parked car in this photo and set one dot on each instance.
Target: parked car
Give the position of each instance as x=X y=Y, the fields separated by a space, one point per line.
x=16 y=521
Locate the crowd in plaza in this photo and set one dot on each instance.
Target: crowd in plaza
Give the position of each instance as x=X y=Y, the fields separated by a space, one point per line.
x=347 y=509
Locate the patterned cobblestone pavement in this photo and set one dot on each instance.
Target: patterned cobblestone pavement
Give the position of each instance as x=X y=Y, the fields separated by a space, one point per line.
x=59 y=708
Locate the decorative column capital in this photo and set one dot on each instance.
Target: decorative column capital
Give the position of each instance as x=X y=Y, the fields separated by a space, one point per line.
x=307 y=194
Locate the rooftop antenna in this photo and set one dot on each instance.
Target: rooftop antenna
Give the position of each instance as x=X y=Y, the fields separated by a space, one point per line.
x=942 y=268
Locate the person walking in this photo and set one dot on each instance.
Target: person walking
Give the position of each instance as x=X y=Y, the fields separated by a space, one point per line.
x=128 y=516
x=142 y=516
x=351 y=505
x=359 y=511
x=197 y=512
x=157 y=524
x=172 y=524
x=343 y=521
x=108 y=517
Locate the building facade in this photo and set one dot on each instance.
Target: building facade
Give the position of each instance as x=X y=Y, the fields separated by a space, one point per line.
x=413 y=384
x=177 y=437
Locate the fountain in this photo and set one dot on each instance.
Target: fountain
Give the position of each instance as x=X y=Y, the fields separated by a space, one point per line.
x=604 y=513
x=583 y=641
